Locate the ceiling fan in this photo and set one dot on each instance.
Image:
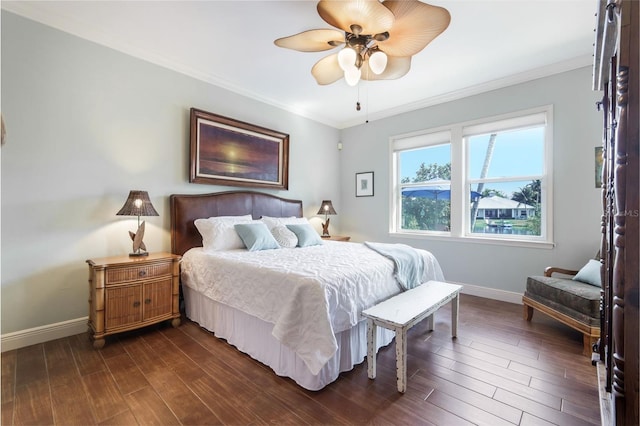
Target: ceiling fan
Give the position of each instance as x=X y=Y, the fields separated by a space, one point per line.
x=379 y=38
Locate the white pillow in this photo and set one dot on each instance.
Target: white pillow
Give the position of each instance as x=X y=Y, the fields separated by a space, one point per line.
x=218 y=232
x=284 y=237
x=272 y=222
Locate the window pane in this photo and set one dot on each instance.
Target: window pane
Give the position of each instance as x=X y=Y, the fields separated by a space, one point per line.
x=426 y=208
x=515 y=153
x=425 y=164
x=507 y=208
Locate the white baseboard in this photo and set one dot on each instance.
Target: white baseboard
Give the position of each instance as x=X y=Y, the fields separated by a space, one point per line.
x=33 y=336
x=491 y=293
x=45 y=333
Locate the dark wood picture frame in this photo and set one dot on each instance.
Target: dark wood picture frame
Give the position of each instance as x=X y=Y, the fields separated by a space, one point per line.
x=364 y=184
x=224 y=151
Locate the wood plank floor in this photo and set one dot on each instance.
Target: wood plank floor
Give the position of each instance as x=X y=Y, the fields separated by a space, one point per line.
x=500 y=370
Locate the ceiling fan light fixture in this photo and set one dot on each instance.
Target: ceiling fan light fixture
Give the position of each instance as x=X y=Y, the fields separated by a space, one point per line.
x=346 y=58
x=352 y=75
x=398 y=29
x=378 y=62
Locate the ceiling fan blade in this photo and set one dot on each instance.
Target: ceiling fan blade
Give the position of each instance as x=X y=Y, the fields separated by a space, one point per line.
x=327 y=70
x=312 y=40
x=370 y=15
x=416 y=25
x=396 y=67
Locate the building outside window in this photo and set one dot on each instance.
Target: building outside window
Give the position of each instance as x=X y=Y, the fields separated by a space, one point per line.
x=488 y=179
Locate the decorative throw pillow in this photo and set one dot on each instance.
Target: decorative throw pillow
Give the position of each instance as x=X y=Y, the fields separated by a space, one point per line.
x=256 y=236
x=589 y=273
x=307 y=236
x=218 y=232
x=284 y=237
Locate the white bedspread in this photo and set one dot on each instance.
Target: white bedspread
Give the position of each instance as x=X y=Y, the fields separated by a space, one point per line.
x=307 y=293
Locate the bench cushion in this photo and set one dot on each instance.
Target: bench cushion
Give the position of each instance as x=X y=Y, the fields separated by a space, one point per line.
x=576 y=299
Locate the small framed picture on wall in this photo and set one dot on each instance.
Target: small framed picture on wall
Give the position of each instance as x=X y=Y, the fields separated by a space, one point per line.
x=364 y=184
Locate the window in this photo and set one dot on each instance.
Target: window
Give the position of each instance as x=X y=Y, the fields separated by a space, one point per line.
x=487 y=179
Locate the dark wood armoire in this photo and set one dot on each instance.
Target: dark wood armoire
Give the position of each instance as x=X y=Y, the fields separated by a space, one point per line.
x=616 y=74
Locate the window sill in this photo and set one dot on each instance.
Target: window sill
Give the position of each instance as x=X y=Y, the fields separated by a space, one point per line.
x=444 y=236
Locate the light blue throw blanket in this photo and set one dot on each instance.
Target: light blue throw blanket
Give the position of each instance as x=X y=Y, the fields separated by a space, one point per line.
x=409 y=264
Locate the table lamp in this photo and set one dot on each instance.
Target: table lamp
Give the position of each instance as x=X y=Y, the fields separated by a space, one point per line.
x=138 y=204
x=326 y=208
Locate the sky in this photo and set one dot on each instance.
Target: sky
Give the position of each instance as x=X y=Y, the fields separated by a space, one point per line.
x=516 y=153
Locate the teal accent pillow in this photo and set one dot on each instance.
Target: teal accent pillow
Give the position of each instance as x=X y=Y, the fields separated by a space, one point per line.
x=307 y=236
x=589 y=274
x=256 y=236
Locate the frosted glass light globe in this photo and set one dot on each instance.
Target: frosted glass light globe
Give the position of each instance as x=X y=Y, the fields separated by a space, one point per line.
x=346 y=58
x=378 y=62
x=352 y=75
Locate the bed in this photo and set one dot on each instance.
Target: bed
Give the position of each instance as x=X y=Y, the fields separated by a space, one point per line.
x=296 y=310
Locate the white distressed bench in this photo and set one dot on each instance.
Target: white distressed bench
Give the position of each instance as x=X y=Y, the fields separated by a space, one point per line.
x=403 y=311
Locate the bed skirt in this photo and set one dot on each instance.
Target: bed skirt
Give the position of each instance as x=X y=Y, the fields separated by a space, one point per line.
x=253 y=337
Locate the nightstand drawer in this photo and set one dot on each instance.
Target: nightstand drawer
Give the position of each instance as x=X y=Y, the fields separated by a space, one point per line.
x=135 y=273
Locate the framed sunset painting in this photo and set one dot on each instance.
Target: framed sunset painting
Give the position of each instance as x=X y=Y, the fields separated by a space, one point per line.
x=224 y=151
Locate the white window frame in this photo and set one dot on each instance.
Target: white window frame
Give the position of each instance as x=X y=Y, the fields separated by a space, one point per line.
x=460 y=180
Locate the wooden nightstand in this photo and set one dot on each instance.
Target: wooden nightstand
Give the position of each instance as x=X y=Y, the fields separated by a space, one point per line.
x=337 y=238
x=126 y=293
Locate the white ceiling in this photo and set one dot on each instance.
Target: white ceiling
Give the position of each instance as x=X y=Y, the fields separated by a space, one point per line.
x=489 y=44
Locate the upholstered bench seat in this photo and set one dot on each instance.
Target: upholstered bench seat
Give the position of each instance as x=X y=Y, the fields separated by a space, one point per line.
x=571 y=302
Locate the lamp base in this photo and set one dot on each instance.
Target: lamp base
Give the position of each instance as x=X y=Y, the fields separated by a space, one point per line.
x=139 y=249
x=325 y=236
x=325 y=229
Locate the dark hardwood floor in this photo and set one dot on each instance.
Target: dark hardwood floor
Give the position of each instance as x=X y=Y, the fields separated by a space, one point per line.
x=500 y=370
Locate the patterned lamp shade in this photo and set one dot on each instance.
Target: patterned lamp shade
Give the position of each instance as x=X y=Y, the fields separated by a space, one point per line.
x=138 y=204
x=326 y=208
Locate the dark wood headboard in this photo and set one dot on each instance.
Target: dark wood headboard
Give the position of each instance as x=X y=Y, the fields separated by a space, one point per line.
x=187 y=208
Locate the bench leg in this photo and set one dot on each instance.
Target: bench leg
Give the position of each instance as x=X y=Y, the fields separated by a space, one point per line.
x=371 y=348
x=455 y=307
x=430 y=322
x=401 y=359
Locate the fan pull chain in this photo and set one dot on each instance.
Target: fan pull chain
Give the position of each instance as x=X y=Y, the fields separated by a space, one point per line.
x=367 y=100
x=358 y=107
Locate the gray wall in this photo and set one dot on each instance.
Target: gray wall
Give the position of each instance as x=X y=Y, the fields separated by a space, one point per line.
x=86 y=124
x=576 y=201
